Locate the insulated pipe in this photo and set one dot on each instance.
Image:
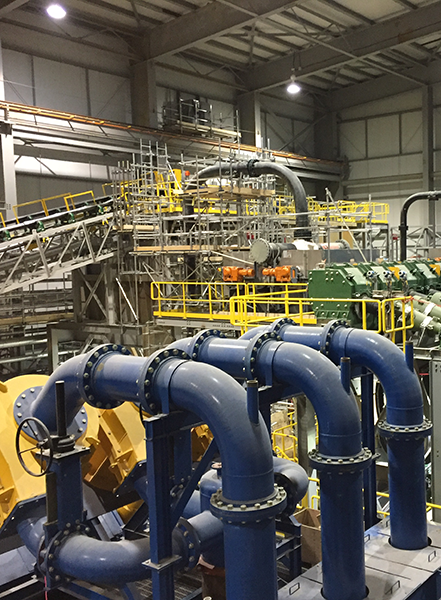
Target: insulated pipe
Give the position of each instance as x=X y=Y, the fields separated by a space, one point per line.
x=431 y=196
x=254 y=168
x=404 y=411
x=339 y=438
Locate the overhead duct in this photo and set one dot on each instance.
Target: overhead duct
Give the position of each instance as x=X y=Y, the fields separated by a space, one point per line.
x=254 y=168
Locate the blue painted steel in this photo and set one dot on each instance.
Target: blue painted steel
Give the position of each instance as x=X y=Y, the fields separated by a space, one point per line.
x=409 y=355
x=253 y=401
x=43 y=407
x=243 y=580
x=404 y=408
x=339 y=436
x=341 y=506
x=210 y=533
x=31 y=532
x=369 y=475
x=407 y=497
x=101 y=562
x=69 y=489
x=158 y=496
x=247 y=469
x=345 y=373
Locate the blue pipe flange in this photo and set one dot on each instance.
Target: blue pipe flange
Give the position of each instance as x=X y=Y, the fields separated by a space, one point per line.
x=147 y=396
x=48 y=554
x=250 y=359
x=200 y=338
x=192 y=544
x=93 y=360
x=405 y=433
x=22 y=411
x=328 y=330
x=244 y=512
x=347 y=464
x=279 y=324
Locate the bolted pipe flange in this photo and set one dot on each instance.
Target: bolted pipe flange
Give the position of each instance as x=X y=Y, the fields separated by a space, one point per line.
x=279 y=324
x=191 y=542
x=91 y=364
x=328 y=330
x=22 y=411
x=200 y=338
x=48 y=555
x=255 y=345
x=147 y=398
x=248 y=512
x=340 y=465
x=405 y=433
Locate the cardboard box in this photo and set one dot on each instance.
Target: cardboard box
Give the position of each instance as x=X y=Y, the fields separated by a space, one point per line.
x=309 y=518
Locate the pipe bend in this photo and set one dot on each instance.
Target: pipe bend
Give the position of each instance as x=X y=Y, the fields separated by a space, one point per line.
x=337 y=411
x=245 y=448
x=380 y=355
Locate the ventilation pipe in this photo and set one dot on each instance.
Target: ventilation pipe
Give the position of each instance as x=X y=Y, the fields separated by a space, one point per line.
x=248 y=501
x=340 y=458
x=254 y=168
x=405 y=427
x=431 y=196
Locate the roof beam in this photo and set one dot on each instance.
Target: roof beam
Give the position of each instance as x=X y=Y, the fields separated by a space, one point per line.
x=207 y=22
x=382 y=87
x=6 y=6
x=362 y=43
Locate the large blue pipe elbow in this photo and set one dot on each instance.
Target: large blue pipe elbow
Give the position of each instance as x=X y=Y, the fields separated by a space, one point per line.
x=339 y=438
x=404 y=409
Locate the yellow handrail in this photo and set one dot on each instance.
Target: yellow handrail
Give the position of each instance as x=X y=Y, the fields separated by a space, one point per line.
x=44 y=203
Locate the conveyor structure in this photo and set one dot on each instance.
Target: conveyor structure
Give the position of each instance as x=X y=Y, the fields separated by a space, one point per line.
x=228 y=514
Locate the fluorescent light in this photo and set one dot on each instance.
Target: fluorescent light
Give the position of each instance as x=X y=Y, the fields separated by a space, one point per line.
x=293 y=87
x=56 y=11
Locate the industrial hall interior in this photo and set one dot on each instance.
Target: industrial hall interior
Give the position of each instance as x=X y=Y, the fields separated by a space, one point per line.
x=220 y=299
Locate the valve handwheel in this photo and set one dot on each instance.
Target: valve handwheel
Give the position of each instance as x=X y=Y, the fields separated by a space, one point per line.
x=43 y=446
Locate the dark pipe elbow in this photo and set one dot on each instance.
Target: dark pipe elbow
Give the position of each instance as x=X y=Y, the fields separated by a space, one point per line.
x=255 y=168
x=403 y=217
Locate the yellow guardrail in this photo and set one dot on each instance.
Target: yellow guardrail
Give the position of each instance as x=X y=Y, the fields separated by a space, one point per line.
x=253 y=310
x=207 y=300
x=350 y=212
x=68 y=200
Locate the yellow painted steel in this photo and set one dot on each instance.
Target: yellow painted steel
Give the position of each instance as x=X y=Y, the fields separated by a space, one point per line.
x=115 y=437
x=15 y=484
x=390 y=323
x=209 y=300
x=344 y=211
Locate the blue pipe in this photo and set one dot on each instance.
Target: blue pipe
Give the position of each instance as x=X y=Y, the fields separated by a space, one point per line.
x=247 y=468
x=216 y=398
x=339 y=437
x=404 y=409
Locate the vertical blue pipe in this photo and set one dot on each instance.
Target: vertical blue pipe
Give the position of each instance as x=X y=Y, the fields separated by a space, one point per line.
x=247 y=546
x=368 y=436
x=341 y=504
x=345 y=373
x=408 y=520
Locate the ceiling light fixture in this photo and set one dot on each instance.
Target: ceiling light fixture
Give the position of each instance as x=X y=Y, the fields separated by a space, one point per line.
x=293 y=87
x=56 y=11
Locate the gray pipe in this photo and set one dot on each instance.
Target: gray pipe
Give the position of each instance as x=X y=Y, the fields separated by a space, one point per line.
x=254 y=168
